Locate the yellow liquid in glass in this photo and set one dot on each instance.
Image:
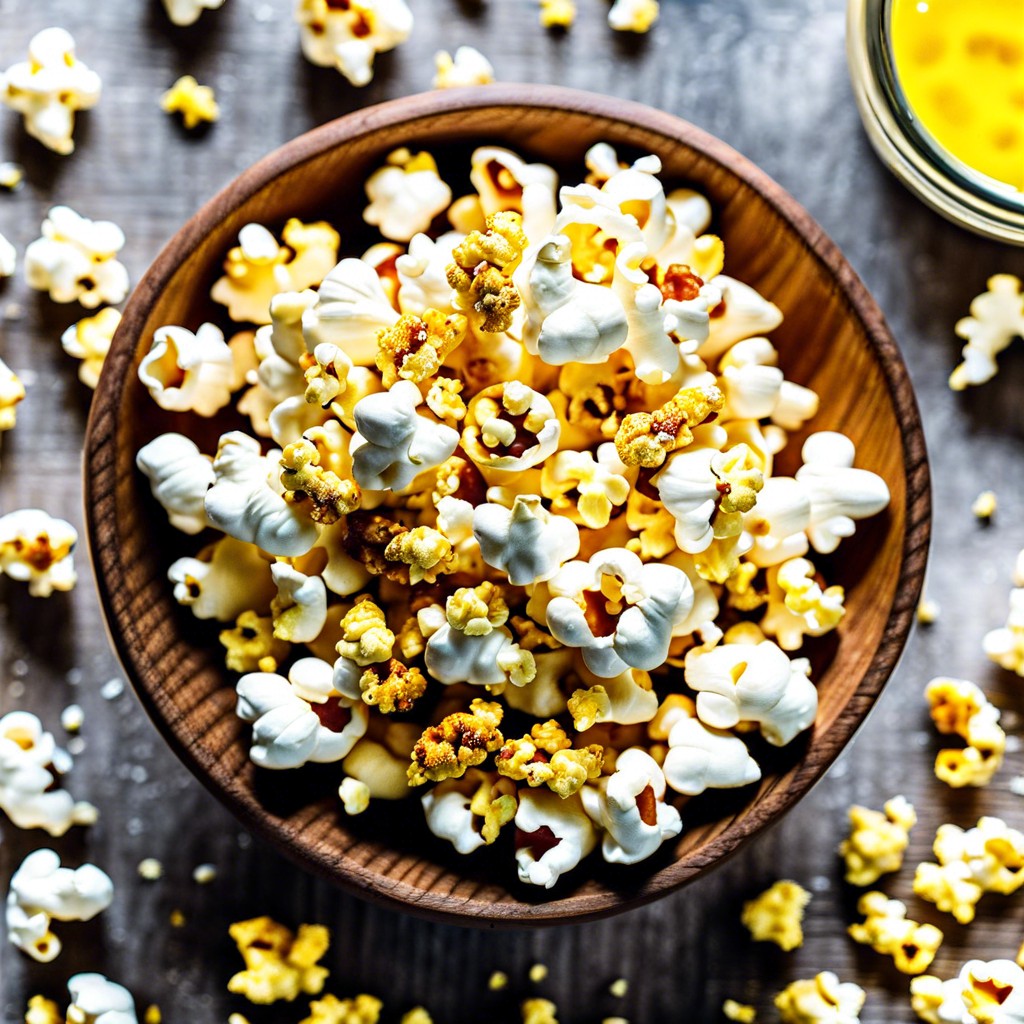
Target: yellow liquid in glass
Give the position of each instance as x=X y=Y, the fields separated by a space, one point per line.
x=961 y=66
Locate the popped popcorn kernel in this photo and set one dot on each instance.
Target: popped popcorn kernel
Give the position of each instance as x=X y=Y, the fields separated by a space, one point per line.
x=887 y=930
x=588 y=707
x=427 y=552
x=877 y=840
x=618 y=988
x=152 y=1015
x=367 y=536
x=497 y=981
x=741 y=1012
x=36 y=549
x=997 y=317
x=481 y=271
x=557 y=13
x=12 y=175
x=820 y=1000
x=279 y=964
x=545 y=758
x=196 y=103
x=415 y=346
x=366 y=638
x=958 y=706
x=777 y=915
x=538 y=972
x=1005 y=646
x=599 y=485
x=646 y=438
x=362 y=1009
x=397 y=691
x=12 y=391
x=43 y=1011
x=417 y=1015
x=186 y=12
x=928 y=611
x=204 y=874
x=633 y=15
x=89 y=340
x=406 y=194
x=150 y=869
x=468 y=67
x=320 y=493
x=984 y=505
x=477 y=611
x=459 y=741
x=177 y=919
x=355 y=795
x=539 y=1011
x=445 y=402
x=251 y=645
x=327 y=375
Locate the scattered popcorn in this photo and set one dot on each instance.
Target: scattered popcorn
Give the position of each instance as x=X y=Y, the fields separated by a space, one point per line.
x=71 y=718
x=49 y=88
x=928 y=611
x=888 y=931
x=196 y=103
x=362 y=1009
x=557 y=13
x=538 y=972
x=204 y=874
x=1005 y=646
x=821 y=1000
x=237 y=1018
x=741 y=1012
x=405 y=195
x=777 y=915
x=633 y=15
x=997 y=317
x=618 y=988
x=278 y=963
x=355 y=795
x=983 y=993
x=177 y=919
x=959 y=707
x=76 y=260
x=186 y=12
x=468 y=67
x=89 y=340
x=497 y=981
x=8 y=258
x=36 y=549
x=12 y=391
x=42 y=891
x=348 y=37
x=12 y=175
x=95 y=1000
x=150 y=869
x=877 y=840
x=539 y=1011
x=984 y=506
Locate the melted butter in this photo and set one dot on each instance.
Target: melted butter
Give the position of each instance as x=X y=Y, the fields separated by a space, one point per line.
x=961 y=66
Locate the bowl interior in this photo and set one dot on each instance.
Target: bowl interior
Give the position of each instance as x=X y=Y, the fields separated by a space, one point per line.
x=832 y=340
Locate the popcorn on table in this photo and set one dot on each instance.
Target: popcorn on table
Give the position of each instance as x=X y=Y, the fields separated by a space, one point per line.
x=997 y=317
x=877 y=840
x=983 y=993
x=42 y=891
x=823 y=999
x=12 y=391
x=8 y=258
x=960 y=708
x=76 y=260
x=887 y=930
x=49 y=87
x=89 y=340
x=36 y=549
x=1005 y=646
x=196 y=103
x=467 y=67
x=633 y=15
x=279 y=964
x=187 y=12
x=94 y=1000
x=777 y=915
x=526 y=444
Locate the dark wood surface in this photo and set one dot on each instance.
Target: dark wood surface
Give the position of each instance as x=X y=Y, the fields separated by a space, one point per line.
x=770 y=79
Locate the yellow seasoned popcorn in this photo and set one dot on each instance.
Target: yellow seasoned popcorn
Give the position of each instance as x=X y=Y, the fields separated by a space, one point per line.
x=417 y=1015
x=646 y=438
x=392 y=687
x=959 y=707
x=538 y=972
x=820 y=1000
x=366 y=638
x=618 y=988
x=415 y=346
x=426 y=551
x=557 y=13
x=43 y=1011
x=363 y=1009
x=445 y=401
x=320 y=493
x=496 y=804
x=539 y=1011
x=740 y=1012
x=278 y=963
x=196 y=103
x=89 y=340
x=12 y=391
x=153 y=1015
x=777 y=915
x=928 y=611
x=497 y=981
x=545 y=758
x=633 y=15
x=599 y=489
x=887 y=930
x=251 y=646
x=477 y=611
x=459 y=741
x=877 y=840
x=984 y=506
x=588 y=707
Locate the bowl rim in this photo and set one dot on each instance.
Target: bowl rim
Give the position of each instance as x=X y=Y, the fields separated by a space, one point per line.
x=100 y=478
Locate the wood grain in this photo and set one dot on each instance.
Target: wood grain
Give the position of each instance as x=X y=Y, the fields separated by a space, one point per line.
x=767 y=76
x=833 y=339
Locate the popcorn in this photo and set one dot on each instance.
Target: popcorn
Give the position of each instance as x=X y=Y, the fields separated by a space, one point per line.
x=645 y=439
x=993 y=992
x=539 y=1011
x=821 y=1000
x=602 y=484
x=185 y=371
x=95 y=1000
x=928 y=611
x=700 y=757
x=36 y=549
x=179 y=475
x=958 y=706
x=393 y=442
x=732 y=1010
x=365 y=637
x=243 y=503
x=526 y=542
x=12 y=391
x=186 y=12
x=459 y=741
x=300 y=607
x=470 y=812
x=278 y=963
x=1005 y=646
x=510 y=427
x=887 y=931
x=633 y=15
x=877 y=840
x=29 y=763
x=552 y=836
x=742 y=313
x=75 y=260
x=12 y=175
x=987 y=858
x=251 y=645
x=545 y=758
x=318 y=492
x=48 y=88
x=504 y=181
x=630 y=806
x=383 y=766
x=415 y=347
x=42 y=891
x=196 y=103
x=634 y=609
x=984 y=506
x=350 y=36
x=397 y=691
x=355 y=795
x=755 y=387
x=300 y=719
x=406 y=194
x=746 y=682
x=627 y=698
x=798 y=606
x=777 y=914
x=227 y=578
x=997 y=317
x=557 y=13
x=467 y=68
x=363 y=1009
x=89 y=340
x=8 y=258
x=258 y=268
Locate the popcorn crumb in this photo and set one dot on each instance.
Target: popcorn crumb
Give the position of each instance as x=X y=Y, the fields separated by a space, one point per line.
x=152 y=1015
x=557 y=13
x=417 y=1015
x=619 y=987
x=1016 y=785
x=43 y=1011
x=196 y=103
x=12 y=175
x=741 y=1012
x=777 y=915
x=539 y=1011
x=1005 y=646
x=928 y=611
x=177 y=919
x=151 y=869
x=71 y=718
x=984 y=506
x=76 y=745
x=497 y=981
x=204 y=874
x=538 y=972
x=355 y=795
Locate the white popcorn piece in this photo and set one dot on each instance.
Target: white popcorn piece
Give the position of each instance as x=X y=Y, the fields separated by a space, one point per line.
x=243 y=503
x=453 y=656
x=701 y=758
x=466 y=68
x=12 y=175
x=352 y=309
x=743 y=314
x=755 y=388
x=42 y=892
x=354 y=795
x=393 y=443
x=567 y=320
x=446 y=808
x=300 y=607
x=89 y=340
x=185 y=371
x=745 y=682
x=349 y=36
x=526 y=542
x=75 y=260
x=777 y=523
x=633 y=15
x=688 y=488
x=636 y=607
x=1005 y=646
x=798 y=607
x=179 y=475
x=630 y=806
x=29 y=757
x=228 y=578
x=422 y=279
x=997 y=317
x=992 y=992
x=838 y=493
x=300 y=719
x=12 y=391
x=186 y=12
x=49 y=87
x=327 y=377
x=505 y=181
x=636 y=190
x=405 y=195
x=553 y=836
x=495 y=441
x=36 y=549
x=8 y=258
x=823 y=999
x=95 y=1000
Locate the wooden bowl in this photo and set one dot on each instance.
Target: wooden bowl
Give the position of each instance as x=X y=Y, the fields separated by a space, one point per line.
x=833 y=339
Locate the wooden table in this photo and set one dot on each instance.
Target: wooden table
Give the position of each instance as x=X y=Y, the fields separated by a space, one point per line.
x=769 y=77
